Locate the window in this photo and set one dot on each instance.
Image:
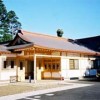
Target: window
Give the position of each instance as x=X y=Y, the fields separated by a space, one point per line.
x=57 y=66
x=5 y=64
x=12 y=64
x=21 y=65
x=45 y=66
x=49 y=67
x=52 y=64
x=74 y=64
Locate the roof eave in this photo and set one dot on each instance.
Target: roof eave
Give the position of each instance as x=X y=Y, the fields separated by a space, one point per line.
x=70 y=51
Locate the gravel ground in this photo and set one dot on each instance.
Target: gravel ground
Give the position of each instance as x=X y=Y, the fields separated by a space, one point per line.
x=15 y=88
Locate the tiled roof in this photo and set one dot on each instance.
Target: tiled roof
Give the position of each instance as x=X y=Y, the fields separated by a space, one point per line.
x=53 y=42
x=3 y=49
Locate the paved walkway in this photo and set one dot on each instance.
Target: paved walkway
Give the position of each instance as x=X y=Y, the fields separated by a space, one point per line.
x=25 y=96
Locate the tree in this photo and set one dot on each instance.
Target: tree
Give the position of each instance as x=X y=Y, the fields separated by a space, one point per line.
x=9 y=23
x=59 y=32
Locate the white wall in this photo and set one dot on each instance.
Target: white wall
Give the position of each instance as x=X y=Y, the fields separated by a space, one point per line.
x=21 y=73
x=5 y=75
x=64 y=66
x=0 y=63
x=2 y=58
x=65 y=70
x=83 y=65
x=73 y=73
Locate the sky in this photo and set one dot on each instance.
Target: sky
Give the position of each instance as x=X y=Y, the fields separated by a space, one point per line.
x=77 y=18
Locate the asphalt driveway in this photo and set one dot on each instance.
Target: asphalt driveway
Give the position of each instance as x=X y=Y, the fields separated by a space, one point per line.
x=91 y=92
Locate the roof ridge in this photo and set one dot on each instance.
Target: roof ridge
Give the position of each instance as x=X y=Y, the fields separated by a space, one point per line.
x=45 y=35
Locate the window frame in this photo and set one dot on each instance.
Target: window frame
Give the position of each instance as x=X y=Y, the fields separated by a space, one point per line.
x=73 y=65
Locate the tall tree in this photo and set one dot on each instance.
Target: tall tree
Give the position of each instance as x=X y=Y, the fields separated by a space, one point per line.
x=9 y=23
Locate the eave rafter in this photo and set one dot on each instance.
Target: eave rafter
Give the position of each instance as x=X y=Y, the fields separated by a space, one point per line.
x=25 y=49
x=67 y=51
x=41 y=49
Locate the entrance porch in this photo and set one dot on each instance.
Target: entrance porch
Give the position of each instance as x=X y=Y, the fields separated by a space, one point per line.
x=43 y=67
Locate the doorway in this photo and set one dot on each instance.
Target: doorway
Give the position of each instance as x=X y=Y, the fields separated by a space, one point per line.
x=30 y=69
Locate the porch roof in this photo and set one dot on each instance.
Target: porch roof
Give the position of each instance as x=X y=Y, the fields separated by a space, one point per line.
x=3 y=49
x=23 y=46
x=51 y=42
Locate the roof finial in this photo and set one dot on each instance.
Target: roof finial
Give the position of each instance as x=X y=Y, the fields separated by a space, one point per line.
x=19 y=31
x=59 y=32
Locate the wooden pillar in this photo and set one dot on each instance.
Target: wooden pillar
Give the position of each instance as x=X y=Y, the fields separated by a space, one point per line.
x=51 y=64
x=35 y=68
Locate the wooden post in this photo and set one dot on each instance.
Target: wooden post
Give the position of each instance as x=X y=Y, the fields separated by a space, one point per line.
x=34 y=68
x=51 y=66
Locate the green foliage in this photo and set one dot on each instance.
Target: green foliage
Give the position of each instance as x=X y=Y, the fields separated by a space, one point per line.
x=6 y=37
x=8 y=23
x=59 y=32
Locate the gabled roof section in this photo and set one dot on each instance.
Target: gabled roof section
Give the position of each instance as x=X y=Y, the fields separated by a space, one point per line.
x=92 y=43
x=17 y=41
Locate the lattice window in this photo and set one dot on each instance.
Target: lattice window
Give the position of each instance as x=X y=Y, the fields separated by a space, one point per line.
x=74 y=64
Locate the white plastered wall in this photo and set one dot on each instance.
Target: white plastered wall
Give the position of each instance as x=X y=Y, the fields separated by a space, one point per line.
x=65 y=68
x=5 y=73
x=83 y=66
x=83 y=63
x=21 y=73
